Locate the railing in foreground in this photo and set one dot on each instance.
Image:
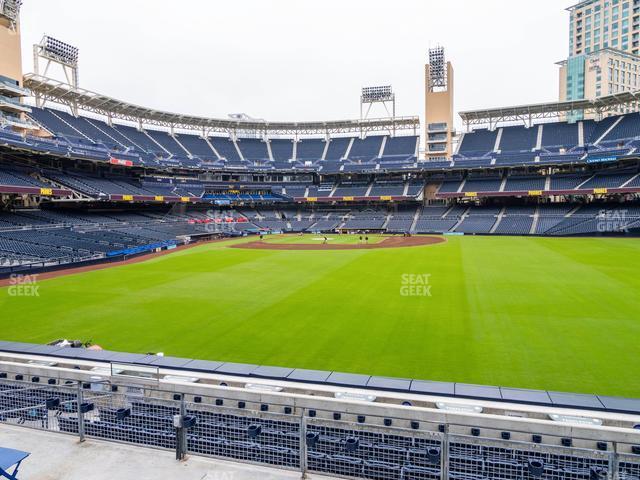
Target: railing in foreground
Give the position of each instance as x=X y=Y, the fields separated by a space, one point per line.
x=8 y=267
x=346 y=441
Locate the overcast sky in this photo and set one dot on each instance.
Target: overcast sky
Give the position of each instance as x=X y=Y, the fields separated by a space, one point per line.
x=304 y=59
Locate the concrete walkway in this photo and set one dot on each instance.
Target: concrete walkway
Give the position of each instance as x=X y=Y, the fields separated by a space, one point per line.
x=56 y=456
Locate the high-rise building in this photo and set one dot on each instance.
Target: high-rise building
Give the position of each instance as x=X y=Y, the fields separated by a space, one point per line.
x=438 y=106
x=600 y=24
x=604 y=42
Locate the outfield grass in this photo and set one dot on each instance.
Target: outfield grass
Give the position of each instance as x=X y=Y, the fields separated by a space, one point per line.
x=559 y=314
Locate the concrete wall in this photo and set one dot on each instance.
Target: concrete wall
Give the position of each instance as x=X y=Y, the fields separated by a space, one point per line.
x=11 y=52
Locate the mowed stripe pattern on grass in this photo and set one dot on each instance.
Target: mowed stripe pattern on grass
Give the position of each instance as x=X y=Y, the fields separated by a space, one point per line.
x=558 y=314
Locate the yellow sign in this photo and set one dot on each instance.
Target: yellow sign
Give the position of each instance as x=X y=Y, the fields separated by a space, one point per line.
x=347 y=199
x=312 y=199
x=46 y=191
x=128 y=198
x=184 y=199
x=385 y=197
x=159 y=198
x=470 y=194
x=600 y=191
x=535 y=193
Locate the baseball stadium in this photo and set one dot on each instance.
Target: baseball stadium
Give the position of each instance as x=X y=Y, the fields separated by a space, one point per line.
x=380 y=297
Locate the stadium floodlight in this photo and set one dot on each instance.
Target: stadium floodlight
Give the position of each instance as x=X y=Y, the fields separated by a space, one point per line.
x=355 y=397
x=263 y=388
x=459 y=407
x=437 y=69
x=59 y=51
x=10 y=9
x=377 y=94
x=381 y=94
x=51 y=51
x=575 y=420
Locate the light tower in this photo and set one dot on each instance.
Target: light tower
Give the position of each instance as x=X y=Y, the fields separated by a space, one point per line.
x=51 y=52
x=12 y=110
x=10 y=52
x=439 y=129
x=377 y=95
x=381 y=95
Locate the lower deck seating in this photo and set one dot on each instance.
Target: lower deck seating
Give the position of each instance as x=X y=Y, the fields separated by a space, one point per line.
x=400 y=223
x=365 y=220
x=33 y=236
x=434 y=225
x=46 y=236
x=515 y=225
x=477 y=224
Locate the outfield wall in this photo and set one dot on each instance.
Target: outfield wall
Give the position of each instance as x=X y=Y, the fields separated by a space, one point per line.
x=317 y=427
x=302 y=380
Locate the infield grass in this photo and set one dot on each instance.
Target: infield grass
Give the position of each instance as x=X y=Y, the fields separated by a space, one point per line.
x=332 y=239
x=544 y=313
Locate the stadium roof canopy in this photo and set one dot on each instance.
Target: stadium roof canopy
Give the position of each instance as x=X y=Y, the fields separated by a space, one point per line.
x=49 y=90
x=528 y=113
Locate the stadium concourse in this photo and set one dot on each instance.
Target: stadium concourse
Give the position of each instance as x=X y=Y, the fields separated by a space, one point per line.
x=101 y=460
